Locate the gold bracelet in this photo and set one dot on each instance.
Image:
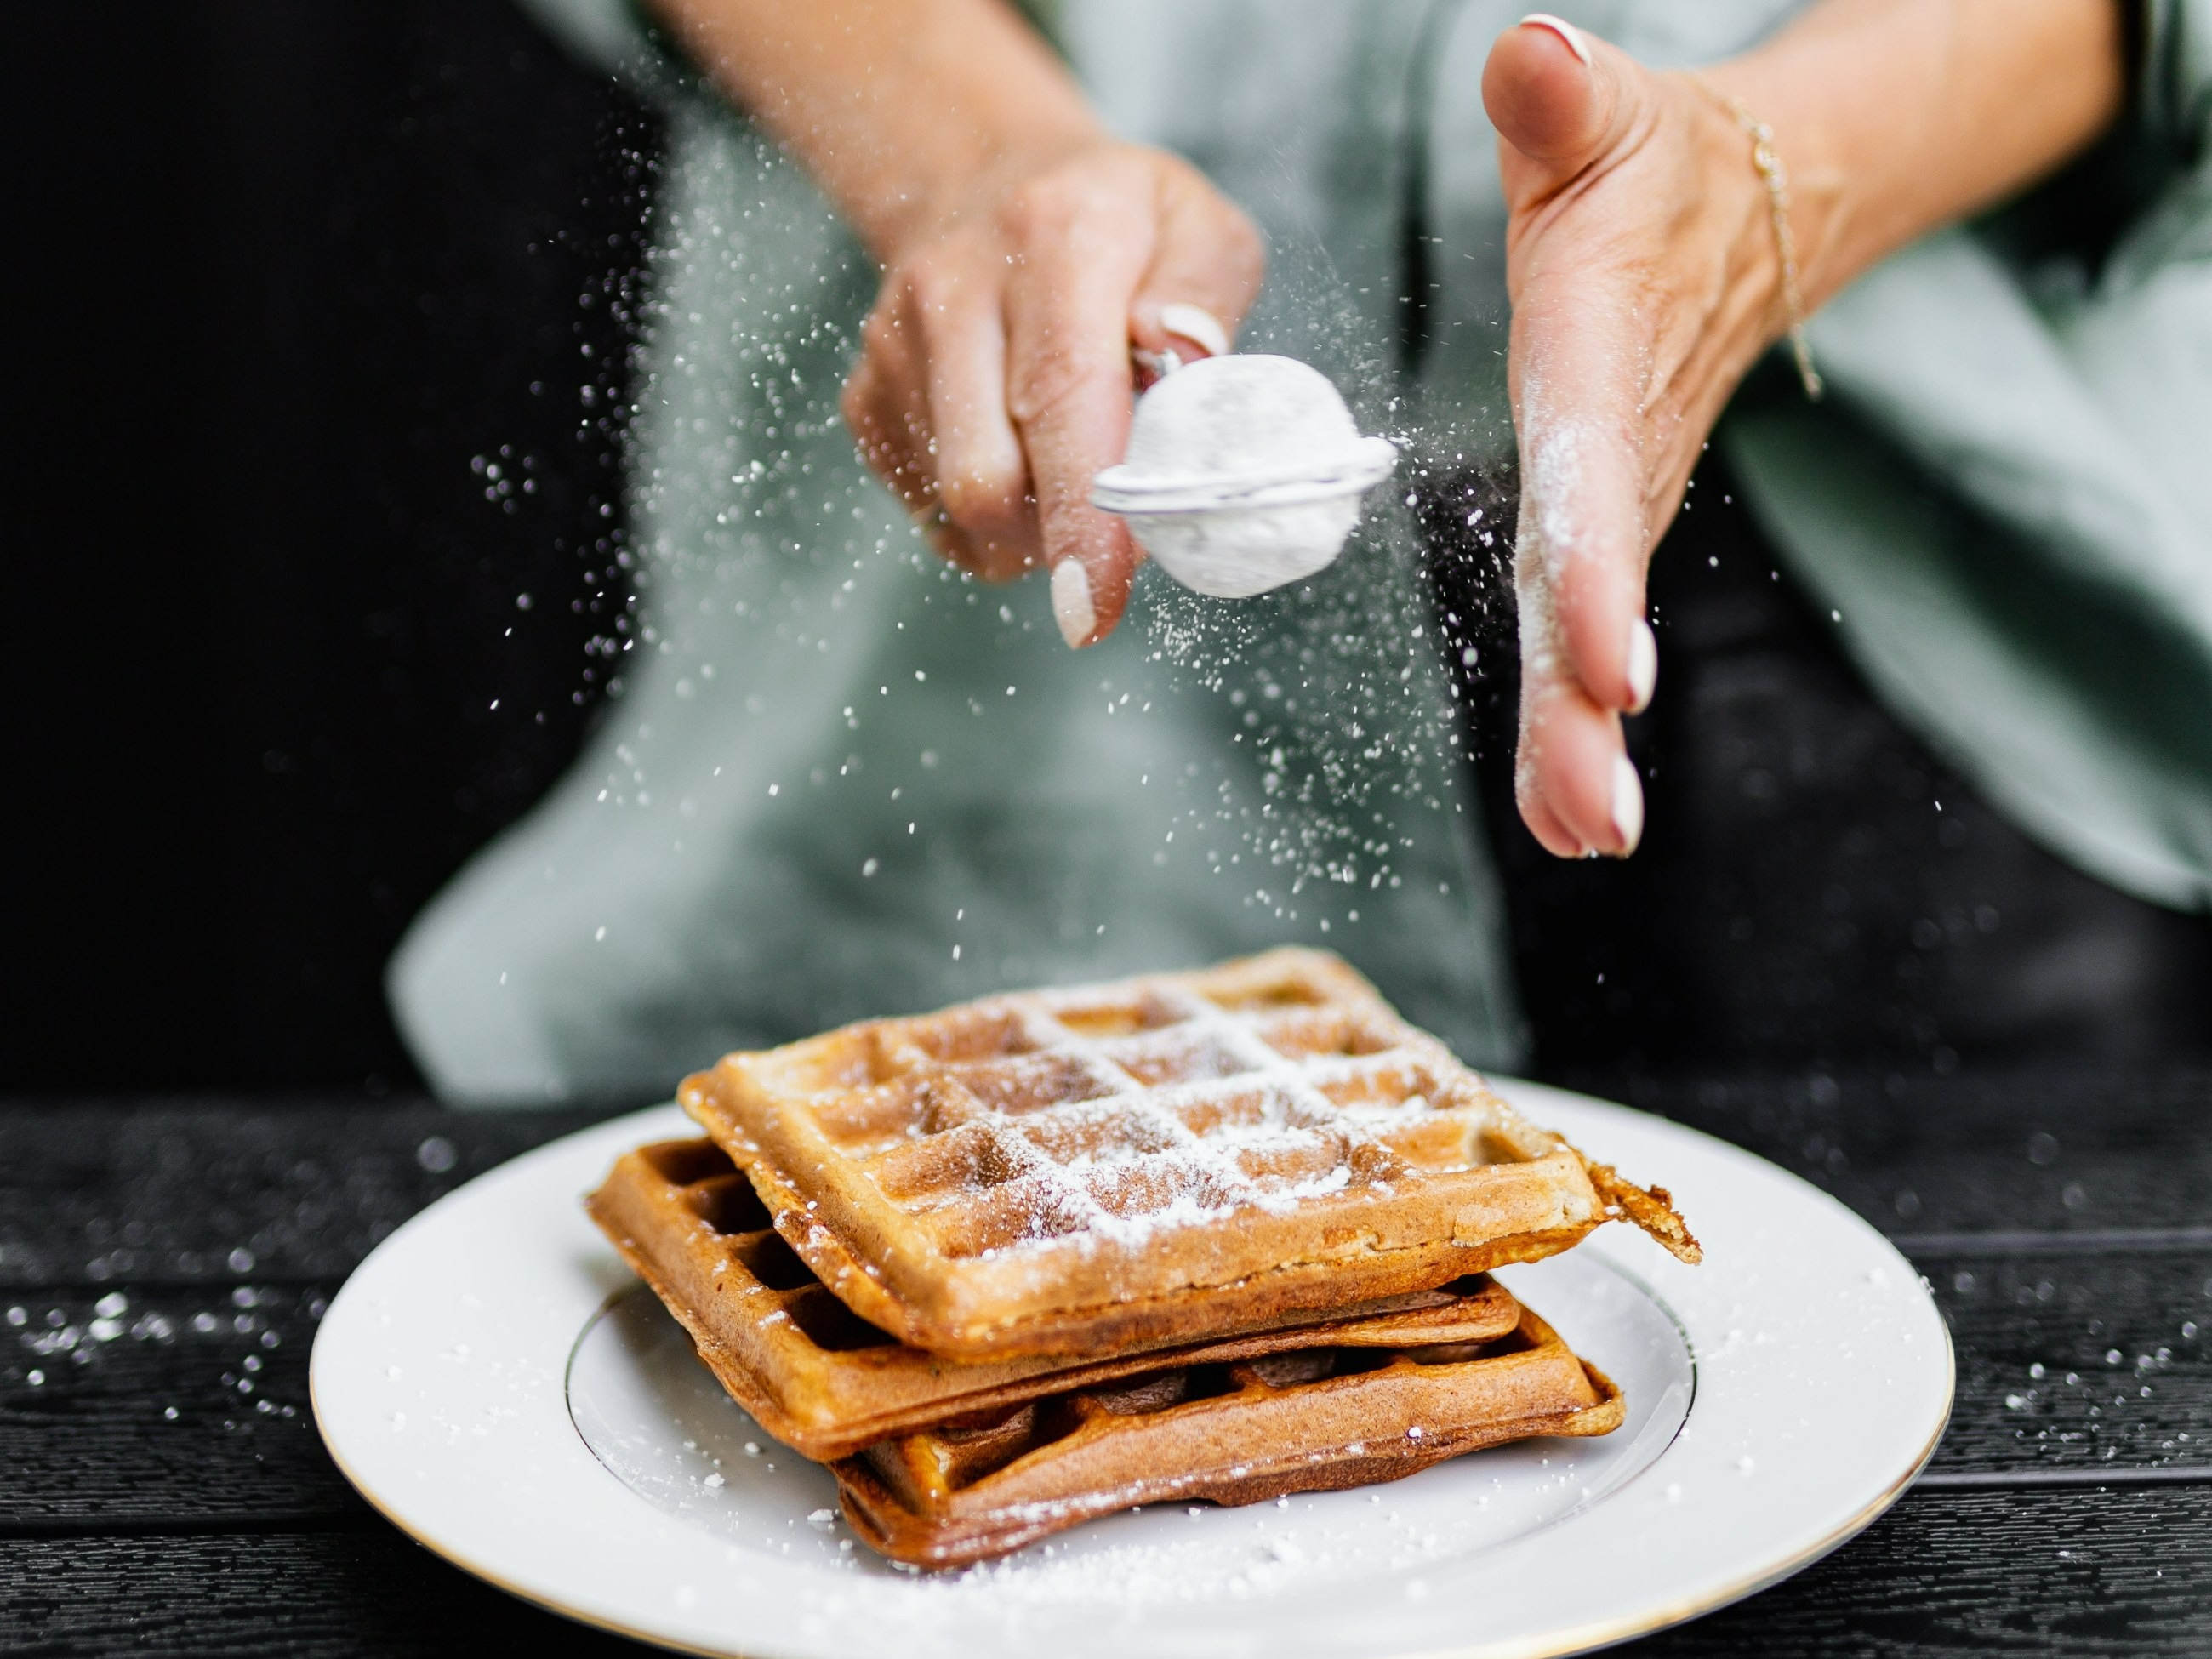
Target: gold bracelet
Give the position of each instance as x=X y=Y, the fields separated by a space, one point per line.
x=1767 y=162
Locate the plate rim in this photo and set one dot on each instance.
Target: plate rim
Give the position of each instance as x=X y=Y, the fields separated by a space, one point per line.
x=1555 y=1643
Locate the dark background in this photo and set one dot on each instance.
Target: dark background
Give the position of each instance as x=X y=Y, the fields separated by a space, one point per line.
x=281 y=273
x=291 y=280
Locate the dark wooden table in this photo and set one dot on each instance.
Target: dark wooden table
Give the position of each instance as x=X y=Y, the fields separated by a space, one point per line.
x=163 y=1264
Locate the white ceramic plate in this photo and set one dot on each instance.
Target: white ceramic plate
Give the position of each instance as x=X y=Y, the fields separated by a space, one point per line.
x=494 y=1380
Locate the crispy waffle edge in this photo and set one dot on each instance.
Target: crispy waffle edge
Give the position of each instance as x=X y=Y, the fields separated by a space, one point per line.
x=645 y=1214
x=890 y=1524
x=1300 y=1291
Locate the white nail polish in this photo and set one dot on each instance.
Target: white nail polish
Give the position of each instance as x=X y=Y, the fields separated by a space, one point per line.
x=1566 y=31
x=1198 y=325
x=1627 y=804
x=1643 y=666
x=1071 y=601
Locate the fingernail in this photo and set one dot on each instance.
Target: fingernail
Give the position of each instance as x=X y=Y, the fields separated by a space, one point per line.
x=1566 y=31
x=1643 y=666
x=1198 y=325
x=1071 y=601
x=1627 y=804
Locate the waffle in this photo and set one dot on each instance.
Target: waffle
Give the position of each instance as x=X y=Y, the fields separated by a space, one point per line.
x=1157 y=1160
x=1309 y=1421
x=822 y=1381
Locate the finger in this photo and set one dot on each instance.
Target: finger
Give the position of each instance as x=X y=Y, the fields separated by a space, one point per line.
x=1536 y=811
x=1069 y=388
x=1557 y=95
x=982 y=480
x=1585 y=514
x=1205 y=272
x=982 y=557
x=1562 y=102
x=1572 y=764
x=1560 y=99
x=1575 y=788
x=884 y=408
x=886 y=415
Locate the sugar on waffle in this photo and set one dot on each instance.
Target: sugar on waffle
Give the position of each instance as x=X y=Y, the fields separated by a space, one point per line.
x=1313 y=1420
x=822 y=1379
x=1145 y=1162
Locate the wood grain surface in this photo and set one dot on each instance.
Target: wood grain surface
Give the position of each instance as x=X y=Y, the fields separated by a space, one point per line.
x=163 y=1264
x=100 y=1192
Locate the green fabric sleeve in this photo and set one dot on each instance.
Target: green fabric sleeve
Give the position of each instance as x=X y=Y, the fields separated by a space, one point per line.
x=613 y=35
x=2174 y=90
x=2007 y=500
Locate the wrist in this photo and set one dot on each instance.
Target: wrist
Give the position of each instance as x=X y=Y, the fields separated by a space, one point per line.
x=1765 y=237
x=1896 y=117
x=1816 y=222
x=901 y=110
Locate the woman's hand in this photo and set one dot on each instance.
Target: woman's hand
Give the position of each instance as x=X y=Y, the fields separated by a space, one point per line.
x=993 y=380
x=1024 y=252
x=1644 y=271
x=1641 y=262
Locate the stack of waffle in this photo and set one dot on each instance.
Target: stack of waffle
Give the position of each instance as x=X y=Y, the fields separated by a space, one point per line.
x=1216 y=1236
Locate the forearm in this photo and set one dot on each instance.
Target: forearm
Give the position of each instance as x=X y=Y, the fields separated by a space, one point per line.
x=898 y=108
x=1895 y=117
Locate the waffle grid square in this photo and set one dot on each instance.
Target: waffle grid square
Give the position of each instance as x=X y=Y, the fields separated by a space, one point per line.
x=1052 y=1170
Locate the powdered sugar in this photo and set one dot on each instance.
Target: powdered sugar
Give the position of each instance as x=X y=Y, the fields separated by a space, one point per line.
x=1243 y=474
x=1256 y=1127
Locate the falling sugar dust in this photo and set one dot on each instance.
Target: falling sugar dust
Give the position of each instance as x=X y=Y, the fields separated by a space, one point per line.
x=1332 y=680
x=842 y=777
x=1300 y=742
